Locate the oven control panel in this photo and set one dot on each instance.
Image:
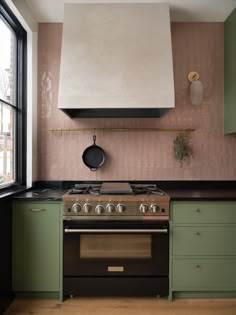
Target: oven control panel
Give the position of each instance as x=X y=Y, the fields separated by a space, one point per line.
x=111 y=208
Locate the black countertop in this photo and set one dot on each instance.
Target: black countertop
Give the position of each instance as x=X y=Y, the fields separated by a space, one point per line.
x=177 y=190
x=198 y=194
x=196 y=190
x=44 y=194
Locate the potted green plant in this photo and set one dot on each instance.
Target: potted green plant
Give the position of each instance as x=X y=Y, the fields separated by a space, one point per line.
x=182 y=148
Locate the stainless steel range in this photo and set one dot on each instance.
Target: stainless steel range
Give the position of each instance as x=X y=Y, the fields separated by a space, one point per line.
x=116 y=240
x=116 y=201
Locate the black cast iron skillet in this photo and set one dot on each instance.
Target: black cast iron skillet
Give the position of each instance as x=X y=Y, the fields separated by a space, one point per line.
x=94 y=156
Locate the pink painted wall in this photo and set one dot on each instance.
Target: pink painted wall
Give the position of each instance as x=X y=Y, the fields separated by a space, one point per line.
x=141 y=155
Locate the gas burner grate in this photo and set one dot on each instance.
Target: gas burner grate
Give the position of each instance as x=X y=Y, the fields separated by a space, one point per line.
x=82 y=189
x=140 y=189
x=96 y=190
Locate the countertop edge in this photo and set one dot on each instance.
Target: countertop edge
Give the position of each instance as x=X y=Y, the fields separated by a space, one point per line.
x=177 y=190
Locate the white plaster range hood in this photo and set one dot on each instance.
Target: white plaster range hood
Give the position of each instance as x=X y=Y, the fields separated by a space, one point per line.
x=116 y=60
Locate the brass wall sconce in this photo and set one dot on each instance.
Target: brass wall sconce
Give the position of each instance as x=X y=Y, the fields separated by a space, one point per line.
x=196 y=88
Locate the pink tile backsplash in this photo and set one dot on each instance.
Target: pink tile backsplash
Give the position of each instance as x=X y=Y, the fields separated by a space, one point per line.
x=146 y=155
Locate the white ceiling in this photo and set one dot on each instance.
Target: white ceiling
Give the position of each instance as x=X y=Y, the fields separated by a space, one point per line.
x=180 y=10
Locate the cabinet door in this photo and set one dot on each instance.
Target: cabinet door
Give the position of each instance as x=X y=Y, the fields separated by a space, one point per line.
x=36 y=246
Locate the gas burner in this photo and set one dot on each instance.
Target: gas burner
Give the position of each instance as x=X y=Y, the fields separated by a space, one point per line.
x=155 y=190
x=83 y=189
x=141 y=189
x=75 y=191
x=94 y=190
x=116 y=189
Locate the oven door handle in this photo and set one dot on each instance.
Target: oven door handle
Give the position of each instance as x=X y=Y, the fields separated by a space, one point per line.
x=116 y=230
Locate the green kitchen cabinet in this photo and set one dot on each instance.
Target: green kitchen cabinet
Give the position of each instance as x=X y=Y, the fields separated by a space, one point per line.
x=229 y=74
x=200 y=212
x=208 y=274
x=202 y=249
x=204 y=240
x=37 y=248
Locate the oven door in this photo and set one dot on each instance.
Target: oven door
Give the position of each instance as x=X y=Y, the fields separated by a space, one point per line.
x=115 y=248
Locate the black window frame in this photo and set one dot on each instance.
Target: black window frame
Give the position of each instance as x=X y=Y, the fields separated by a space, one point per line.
x=21 y=96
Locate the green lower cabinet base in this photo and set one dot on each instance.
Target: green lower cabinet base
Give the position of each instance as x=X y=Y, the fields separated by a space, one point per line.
x=37 y=249
x=201 y=294
x=202 y=249
x=38 y=295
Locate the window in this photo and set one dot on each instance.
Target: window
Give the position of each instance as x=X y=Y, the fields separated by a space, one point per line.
x=12 y=99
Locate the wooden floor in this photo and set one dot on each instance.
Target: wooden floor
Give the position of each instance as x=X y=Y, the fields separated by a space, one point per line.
x=120 y=306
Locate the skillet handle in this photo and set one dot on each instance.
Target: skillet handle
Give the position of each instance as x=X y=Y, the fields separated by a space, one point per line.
x=94 y=141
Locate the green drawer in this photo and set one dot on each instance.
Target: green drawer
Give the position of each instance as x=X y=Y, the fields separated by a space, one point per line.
x=207 y=240
x=204 y=275
x=204 y=212
x=36 y=206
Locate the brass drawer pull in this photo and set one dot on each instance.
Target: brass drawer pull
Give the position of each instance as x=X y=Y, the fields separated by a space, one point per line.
x=197 y=233
x=115 y=269
x=197 y=266
x=197 y=210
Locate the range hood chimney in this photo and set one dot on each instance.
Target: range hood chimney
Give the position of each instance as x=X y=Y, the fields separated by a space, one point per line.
x=116 y=60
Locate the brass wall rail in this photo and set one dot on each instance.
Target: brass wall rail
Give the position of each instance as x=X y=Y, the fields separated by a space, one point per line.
x=121 y=129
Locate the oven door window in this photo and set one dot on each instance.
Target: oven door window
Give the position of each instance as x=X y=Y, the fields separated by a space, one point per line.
x=115 y=246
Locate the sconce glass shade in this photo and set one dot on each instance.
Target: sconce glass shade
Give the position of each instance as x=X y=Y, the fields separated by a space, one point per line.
x=196 y=92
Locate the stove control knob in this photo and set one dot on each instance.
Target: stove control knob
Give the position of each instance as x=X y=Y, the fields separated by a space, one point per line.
x=154 y=208
x=99 y=209
x=87 y=207
x=143 y=208
x=76 y=208
x=110 y=208
x=120 y=208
